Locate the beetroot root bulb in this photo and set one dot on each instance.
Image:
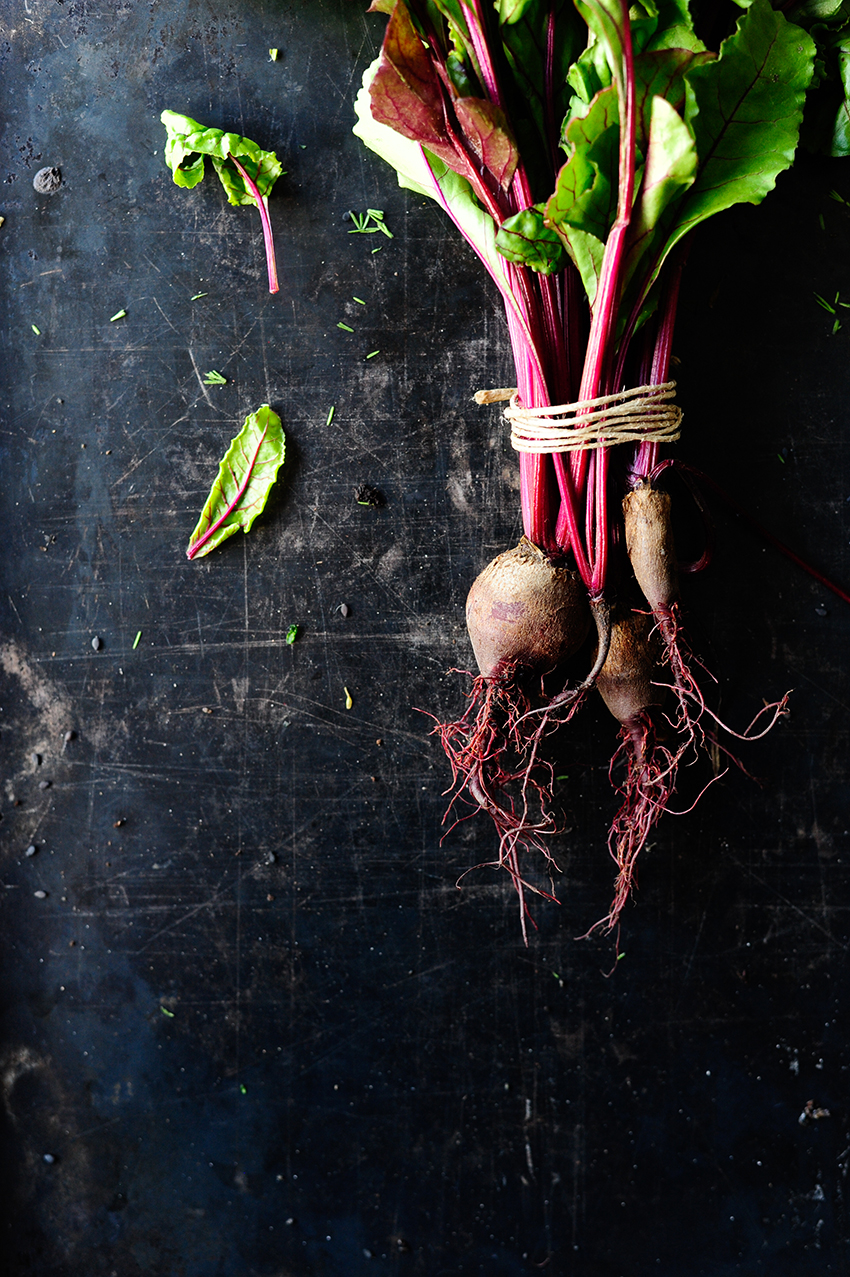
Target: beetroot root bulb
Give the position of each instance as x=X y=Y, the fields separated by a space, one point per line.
x=526 y=615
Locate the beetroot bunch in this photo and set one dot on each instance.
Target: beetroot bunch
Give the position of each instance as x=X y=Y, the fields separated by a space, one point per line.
x=575 y=146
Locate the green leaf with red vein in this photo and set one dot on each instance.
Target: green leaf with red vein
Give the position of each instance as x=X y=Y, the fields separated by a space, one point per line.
x=245 y=477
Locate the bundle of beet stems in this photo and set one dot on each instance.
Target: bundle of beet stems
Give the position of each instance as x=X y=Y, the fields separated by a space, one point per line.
x=575 y=147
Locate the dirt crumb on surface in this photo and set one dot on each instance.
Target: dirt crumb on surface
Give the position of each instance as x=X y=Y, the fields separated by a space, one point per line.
x=47 y=181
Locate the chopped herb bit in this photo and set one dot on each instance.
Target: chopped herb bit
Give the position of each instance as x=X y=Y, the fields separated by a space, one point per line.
x=2 y=220
x=369 y=223
x=292 y=634
x=137 y=640
x=165 y=1011
x=119 y=314
x=360 y=300
x=214 y=378
x=37 y=331
x=377 y=250
x=345 y=327
x=367 y=495
x=839 y=199
x=243 y=1090
x=556 y=974
x=195 y=296
x=563 y=776
x=821 y=222
x=349 y=703
x=331 y=412
x=274 y=54
x=836 y=326
x=620 y=957
x=821 y=301
x=781 y=458
x=372 y=354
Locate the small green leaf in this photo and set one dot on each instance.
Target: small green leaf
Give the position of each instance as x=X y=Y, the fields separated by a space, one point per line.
x=213 y=378
x=189 y=142
x=119 y=314
x=165 y=1011
x=821 y=301
x=526 y=239
x=274 y=54
x=245 y=477
x=345 y=327
x=292 y=634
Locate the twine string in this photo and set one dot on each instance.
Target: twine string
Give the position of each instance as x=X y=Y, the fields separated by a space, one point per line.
x=644 y=414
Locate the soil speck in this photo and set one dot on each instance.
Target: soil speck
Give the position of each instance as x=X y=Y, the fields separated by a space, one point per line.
x=47 y=181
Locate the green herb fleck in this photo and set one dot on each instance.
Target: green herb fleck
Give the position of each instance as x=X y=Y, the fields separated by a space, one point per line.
x=377 y=250
x=37 y=331
x=620 y=957
x=195 y=296
x=331 y=412
x=372 y=354
x=137 y=640
x=345 y=327
x=119 y=314
x=835 y=327
x=781 y=458
x=821 y=222
x=563 y=776
x=821 y=301
x=292 y=634
x=165 y=1011
x=349 y=703
x=214 y=378
x=369 y=223
x=839 y=199
x=359 y=299
x=274 y=54
x=243 y=1090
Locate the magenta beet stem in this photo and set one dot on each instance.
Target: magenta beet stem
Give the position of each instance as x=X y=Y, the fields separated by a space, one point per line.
x=268 y=239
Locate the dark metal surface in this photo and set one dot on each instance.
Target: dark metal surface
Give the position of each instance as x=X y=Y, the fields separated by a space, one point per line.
x=252 y=1022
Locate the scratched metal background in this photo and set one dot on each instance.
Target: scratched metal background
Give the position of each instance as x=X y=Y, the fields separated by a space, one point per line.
x=253 y=1022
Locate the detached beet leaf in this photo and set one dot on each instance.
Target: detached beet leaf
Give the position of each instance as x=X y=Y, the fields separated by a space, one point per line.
x=245 y=170
x=245 y=477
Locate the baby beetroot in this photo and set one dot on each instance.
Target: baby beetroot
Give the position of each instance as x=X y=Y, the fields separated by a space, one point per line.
x=524 y=613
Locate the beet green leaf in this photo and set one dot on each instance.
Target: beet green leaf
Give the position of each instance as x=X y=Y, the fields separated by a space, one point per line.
x=245 y=477
x=189 y=142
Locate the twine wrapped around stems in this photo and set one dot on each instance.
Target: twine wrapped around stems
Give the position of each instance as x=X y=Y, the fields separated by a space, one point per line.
x=644 y=414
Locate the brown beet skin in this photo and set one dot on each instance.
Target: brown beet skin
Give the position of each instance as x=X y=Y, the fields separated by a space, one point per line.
x=522 y=611
x=649 y=542
x=625 y=681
